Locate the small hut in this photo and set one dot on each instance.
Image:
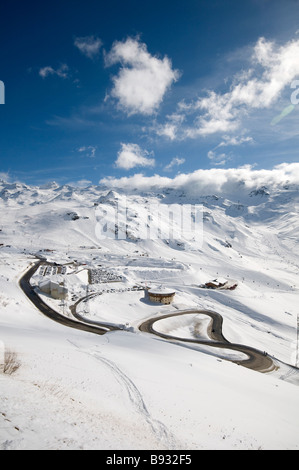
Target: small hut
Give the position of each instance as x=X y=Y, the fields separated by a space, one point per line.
x=216 y=283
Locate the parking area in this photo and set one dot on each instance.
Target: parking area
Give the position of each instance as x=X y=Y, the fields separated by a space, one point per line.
x=47 y=270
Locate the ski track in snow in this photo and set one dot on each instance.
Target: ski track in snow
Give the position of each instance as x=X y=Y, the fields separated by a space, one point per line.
x=159 y=430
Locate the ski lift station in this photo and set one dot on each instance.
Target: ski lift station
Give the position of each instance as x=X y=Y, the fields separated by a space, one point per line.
x=161 y=295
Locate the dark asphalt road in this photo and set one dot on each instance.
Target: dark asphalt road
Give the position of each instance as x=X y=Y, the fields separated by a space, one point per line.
x=257 y=360
x=48 y=311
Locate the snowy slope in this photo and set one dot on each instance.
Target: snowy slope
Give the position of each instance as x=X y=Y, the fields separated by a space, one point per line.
x=132 y=390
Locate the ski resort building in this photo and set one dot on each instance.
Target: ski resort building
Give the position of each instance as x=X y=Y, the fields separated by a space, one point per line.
x=161 y=295
x=55 y=290
x=220 y=283
x=216 y=283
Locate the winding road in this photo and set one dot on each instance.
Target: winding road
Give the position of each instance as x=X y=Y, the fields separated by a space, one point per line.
x=256 y=360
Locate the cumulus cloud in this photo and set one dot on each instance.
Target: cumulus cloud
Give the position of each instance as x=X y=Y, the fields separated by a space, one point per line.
x=272 y=68
x=214 y=180
x=89 y=46
x=279 y=66
x=62 y=71
x=142 y=80
x=131 y=156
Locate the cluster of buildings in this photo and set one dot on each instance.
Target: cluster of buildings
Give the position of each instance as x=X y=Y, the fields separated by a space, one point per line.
x=159 y=294
x=53 y=288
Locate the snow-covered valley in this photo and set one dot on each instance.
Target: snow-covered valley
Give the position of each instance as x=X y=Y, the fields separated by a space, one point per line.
x=128 y=389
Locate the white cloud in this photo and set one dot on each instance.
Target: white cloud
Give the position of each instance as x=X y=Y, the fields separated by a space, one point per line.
x=168 y=130
x=272 y=68
x=176 y=161
x=171 y=128
x=214 y=180
x=81 y=183
x=5 y=177
x=143 y=79
x=218 y=158
x=222 y=158
x=279 y=67
x=62 y=71
x=131 y=155
x=89 y=46
x=88 y=151
x=233 y=140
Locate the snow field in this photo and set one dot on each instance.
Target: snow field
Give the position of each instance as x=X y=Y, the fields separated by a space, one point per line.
x=132 y=390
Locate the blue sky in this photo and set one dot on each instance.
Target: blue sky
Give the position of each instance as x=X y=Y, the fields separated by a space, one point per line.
x=97 y=90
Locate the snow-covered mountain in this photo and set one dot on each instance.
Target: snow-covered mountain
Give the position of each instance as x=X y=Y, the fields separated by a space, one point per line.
x=129 y=389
